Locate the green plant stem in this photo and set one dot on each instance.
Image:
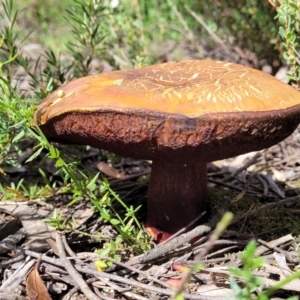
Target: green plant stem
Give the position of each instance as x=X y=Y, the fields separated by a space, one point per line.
x=125 y=206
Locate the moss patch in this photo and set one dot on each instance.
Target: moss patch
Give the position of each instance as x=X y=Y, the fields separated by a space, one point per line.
x=267 y=224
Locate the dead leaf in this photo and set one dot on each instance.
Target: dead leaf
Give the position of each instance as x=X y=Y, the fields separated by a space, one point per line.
x=53 y=246
x=109 y=170
x=35 y=287
x=17 y=193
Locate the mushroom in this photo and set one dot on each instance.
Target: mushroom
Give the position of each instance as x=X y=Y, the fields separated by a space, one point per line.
x=180 y=115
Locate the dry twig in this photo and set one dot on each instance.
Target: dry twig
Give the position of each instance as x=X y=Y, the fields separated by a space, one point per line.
x=72 y=272
x=271 y=246
x=154 y=289
x=249 y=163
x=113 y=277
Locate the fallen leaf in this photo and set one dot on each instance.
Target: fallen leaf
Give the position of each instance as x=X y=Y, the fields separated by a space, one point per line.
x=17 y=193
x=109 y=170
x=35 y=287
x=53 y=246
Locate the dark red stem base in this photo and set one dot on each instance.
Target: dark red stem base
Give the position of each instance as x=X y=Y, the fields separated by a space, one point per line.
x=176 y=196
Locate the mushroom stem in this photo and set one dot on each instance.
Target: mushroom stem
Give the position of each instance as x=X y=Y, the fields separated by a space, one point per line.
x=176 y=195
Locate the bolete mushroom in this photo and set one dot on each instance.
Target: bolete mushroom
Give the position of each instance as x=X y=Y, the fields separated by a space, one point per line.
x=180 y=115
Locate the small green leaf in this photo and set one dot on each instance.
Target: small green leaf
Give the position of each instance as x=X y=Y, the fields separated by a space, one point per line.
x=104 y=252
x=250 y=251
x=19 y=136
x=54 y=153
x=291 y=59
x=294 y=6
x=35 y=155
x=59 y=163
x=290 y=35
x=92 y=184
x=282 y=20
x=258 y=262
x=282 y=32
x=114 y=221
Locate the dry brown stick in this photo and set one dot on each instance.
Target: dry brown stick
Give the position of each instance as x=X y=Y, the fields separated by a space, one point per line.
x=124 y=291
x=70 y=251
x=9 y=295
x=262 y=249
x=177 y=254
x=270 y=246
x=222 y=242
x=67 y=247
x=288 y=159
x=133 y=269
x=72 y=271
x=129 y=177
x=76 y=288
x=18 y=276
x=234 y=187
x=222 y=259
x=249 y=163
x=135 y=283
x=161 y=250
x=274 y=4
x=84 y=270
x=218 y=252
x=188 y=33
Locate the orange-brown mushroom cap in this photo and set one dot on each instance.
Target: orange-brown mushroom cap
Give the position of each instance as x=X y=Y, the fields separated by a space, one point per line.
x=205 y=109
x=180 y=115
